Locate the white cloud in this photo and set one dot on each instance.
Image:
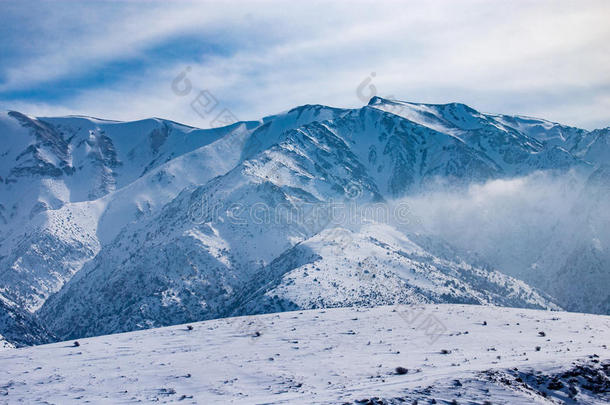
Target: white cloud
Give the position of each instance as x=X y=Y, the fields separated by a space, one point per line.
x=537 y=58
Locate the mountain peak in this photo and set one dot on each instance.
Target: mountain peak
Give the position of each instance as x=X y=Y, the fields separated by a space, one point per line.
x=377 y=100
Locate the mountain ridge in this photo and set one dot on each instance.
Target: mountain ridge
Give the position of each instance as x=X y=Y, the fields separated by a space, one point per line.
x=309 y=155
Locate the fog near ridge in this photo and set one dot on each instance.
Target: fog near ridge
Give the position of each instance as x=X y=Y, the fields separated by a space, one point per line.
x=511 y=223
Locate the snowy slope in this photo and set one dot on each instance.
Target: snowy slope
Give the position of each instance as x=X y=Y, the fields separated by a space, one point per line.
x=378 y=265
x=5 y=344
x=19 y=327
x=72 y=159
x=167 y=157
x=189 y=264
x=596 y=146
x=462 y=353
x=54 y=172
x=515 y=143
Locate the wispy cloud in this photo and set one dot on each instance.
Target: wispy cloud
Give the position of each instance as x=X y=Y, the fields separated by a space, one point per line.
x=118 y=59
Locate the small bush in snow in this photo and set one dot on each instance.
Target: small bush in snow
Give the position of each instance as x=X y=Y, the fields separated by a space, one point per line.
x=401 y=370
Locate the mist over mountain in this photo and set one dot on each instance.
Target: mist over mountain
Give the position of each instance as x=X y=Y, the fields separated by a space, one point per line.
x=548 y=229
x=115 y=226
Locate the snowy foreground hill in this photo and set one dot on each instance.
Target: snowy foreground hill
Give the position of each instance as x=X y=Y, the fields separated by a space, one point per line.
x=426 y=354
x=109 y=227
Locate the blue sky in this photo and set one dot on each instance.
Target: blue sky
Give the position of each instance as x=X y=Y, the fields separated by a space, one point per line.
x=117 y=60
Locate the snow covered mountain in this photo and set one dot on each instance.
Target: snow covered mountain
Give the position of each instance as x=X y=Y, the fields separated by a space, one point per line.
x=201 y=278
x=111 y=226
x=378 y=265
x=60 y=214
x=55 y=174
x=384 y=355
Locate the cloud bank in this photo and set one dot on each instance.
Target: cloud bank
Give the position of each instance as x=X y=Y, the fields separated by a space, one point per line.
x=117 y=60
x=515 y=223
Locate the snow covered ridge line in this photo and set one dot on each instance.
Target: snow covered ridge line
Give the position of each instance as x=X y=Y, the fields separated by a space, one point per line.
x=328 y=356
